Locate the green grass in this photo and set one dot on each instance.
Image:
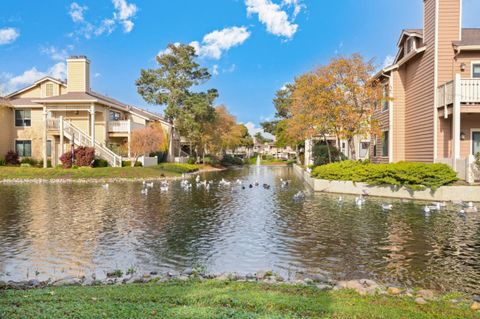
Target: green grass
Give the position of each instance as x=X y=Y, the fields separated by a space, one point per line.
x=212 y=299
x=167 y=169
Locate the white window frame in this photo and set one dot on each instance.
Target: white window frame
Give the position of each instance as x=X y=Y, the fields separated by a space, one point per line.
x=473 y=130
x=23 y=140
x=471 y=68
x=15 y=117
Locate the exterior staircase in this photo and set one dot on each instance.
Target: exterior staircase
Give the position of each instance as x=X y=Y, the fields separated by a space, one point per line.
x=78 y=137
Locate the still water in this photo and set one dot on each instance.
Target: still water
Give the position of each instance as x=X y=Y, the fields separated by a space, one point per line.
x=53 y=231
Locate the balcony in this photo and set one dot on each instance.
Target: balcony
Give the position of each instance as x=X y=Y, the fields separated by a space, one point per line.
x=123 y=126
x=467 y=91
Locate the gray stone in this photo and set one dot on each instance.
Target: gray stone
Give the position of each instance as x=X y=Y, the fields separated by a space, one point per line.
x=362 y=286
x=34 y=283
x=263 y=274
x=426 y=294
x=323 y=287
x=67 y=281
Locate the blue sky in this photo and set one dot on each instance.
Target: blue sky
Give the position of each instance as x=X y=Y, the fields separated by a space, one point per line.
x=260 y=44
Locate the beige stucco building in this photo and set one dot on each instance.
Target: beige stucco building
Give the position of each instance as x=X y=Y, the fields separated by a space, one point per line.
x=431 y=112
x=43 y=120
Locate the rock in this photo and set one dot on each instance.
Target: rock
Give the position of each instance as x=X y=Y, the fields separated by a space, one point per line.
x=420 y=301
x=394 y=291
x=426 y=294
x=263 y=274
x=250 y=277
x=475 y=297
x=362 y=286
x=223 y=277
x=153 y=273
x=3 y=284
x=183 y=278
x=67 y=281
x=308 y=281
x=188 y=271
x=34 y=283
x=323 y=287
x=475 y=306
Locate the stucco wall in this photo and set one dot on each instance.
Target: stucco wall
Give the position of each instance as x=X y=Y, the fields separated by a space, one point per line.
x=6 y=125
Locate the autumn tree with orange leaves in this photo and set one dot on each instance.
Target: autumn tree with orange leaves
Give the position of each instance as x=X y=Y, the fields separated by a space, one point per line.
x=147 y=140
x=338 y=99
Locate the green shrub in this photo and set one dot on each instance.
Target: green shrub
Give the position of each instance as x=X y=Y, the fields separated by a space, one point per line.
x=29 y=160
x=129 y=163
x=229 y=160
x=191 y=160
x=99 y=162
x=477 y=160
x=25 y=165
x=211 y=160
x=2 y=162
x=40 y=163
x=179 y=168
x=320 y=155
x=411 y=175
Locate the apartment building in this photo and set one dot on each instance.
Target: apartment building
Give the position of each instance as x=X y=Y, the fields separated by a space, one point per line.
x=431 y=111
x=44 y=119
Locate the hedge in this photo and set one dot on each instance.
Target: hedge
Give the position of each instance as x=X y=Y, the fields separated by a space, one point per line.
x=409 y=174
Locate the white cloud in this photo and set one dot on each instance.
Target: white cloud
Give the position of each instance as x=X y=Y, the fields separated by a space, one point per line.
x=389 y=59
x=215 y=70
x=297 y=5
x=253 y=129
x=272 y=15
x=97 y=75
x=123 y=14
x=8 y=35
x=76 y=12
x=219 y=41
x=12 y=83
x=55 y=53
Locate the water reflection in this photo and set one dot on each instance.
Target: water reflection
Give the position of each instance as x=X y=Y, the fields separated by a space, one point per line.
x=59 y=230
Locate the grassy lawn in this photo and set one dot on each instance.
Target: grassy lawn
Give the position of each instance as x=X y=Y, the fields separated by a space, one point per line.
x=166 y=169
x=213 y=299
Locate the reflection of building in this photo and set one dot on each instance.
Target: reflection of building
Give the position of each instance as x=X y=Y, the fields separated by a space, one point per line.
x=431 y=111
x=41 y=120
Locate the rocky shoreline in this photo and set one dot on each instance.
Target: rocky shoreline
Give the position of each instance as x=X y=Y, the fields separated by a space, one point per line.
x=318 y=281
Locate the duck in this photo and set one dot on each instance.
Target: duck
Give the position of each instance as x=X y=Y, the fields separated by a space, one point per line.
x=426 y=209
x=197 y=179
x=239 y=182
x=359 y=200
x=250 y=186
x=283 y=183
x=144 y=191
x=299 y=196
x=149 y=185
x=105 y=186
x=340 y=199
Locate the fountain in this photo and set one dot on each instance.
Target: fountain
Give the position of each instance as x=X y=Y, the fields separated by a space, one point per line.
x=259 y=160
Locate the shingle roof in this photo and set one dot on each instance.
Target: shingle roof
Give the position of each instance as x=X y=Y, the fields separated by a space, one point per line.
x=23 y=102
x=4 y=102
x=470 y=36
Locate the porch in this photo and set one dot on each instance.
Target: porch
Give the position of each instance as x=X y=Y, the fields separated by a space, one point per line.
x=458 y=126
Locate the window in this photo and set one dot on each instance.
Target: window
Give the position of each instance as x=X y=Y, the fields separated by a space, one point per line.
x=49 y=89
x=385 y=143
x=476 y=70
x=475 y=143
x=23 y=148
x=386 y=95
x=49 y=148
x=114 y=116
x=23 y=118
x=410 y=44
x=364 y=146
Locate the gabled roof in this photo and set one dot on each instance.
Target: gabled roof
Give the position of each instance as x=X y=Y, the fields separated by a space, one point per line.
x=408 y=33
x=4 y=102
x=94 y=97
x=46 y=78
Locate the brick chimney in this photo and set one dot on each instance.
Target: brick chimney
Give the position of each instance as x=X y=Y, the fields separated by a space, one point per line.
x=78 y=74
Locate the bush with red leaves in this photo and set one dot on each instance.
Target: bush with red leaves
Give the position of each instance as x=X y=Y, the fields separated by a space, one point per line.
x=11 y=158
x=84 y=156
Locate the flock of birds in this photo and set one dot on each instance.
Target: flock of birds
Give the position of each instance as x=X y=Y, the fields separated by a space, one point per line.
x=187 y=185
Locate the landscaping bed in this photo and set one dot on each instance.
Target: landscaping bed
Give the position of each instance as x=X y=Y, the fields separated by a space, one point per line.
x=194 y=298
x=414 y=176
x=159 y=171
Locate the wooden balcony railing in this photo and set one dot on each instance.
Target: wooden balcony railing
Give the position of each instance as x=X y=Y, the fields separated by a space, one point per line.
x=123 y=126
x=468 y=92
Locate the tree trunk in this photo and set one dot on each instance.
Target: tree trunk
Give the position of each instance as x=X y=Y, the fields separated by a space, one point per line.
x=328 y=148
x=297 y=154
x=351 y=146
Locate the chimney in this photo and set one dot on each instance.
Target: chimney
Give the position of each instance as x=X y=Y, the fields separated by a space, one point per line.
x=78 y=74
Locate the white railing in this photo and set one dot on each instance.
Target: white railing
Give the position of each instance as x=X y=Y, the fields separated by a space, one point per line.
x=123 y=126
x=78 y=137
x=53 y=124
x=445 y=94
x=469 y=92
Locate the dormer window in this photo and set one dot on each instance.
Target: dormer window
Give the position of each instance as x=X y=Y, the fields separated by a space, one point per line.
x=49 y=90
x=410 y=44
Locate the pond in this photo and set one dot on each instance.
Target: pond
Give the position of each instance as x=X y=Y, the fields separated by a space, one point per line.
x=53 y=231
